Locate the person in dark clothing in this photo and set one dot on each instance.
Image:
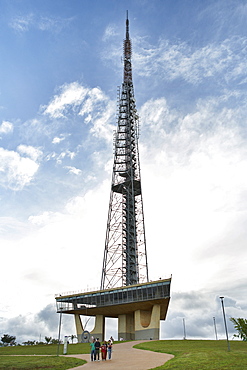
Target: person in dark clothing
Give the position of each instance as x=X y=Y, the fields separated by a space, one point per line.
x=109 y=349
x=97 y=349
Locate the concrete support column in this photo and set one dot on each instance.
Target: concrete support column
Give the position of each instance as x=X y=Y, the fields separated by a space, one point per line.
x=147 y=323
x=79 y=327
x=99 y=328
x=126 y=327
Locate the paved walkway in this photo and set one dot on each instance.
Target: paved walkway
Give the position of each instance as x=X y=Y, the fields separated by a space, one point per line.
x=125 y=357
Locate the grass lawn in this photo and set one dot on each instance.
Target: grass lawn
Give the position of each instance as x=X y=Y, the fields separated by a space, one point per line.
x=38 y=362
x=200 y=354
x=11 y=357
x=45 y=349
x=189 y=355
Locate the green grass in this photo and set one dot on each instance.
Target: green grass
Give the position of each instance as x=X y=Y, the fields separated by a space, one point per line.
x=39 y=362
x=14 y=358
x=189 y=355
x=200 y=354
x=48 y=349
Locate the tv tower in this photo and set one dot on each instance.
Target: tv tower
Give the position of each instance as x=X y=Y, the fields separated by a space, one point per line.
x=126 y=292
x=125 y=256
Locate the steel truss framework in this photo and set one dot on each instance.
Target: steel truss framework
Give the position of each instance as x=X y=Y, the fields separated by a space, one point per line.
x=125 y=256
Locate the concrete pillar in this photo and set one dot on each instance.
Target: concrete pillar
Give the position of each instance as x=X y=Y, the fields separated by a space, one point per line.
x=147 y=323
x=79 y=327
x=126 y=327
x=99 y=328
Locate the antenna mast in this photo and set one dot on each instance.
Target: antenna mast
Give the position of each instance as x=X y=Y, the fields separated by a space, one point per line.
x=125 y=257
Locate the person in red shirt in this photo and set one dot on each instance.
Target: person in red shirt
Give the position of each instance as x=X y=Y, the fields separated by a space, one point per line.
x=103 y=350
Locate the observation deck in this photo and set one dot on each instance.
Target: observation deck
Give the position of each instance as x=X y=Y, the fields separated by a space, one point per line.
x=118 y=301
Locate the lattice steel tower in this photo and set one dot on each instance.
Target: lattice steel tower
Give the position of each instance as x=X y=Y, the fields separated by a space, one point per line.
x=139 y=305
x=125 y=257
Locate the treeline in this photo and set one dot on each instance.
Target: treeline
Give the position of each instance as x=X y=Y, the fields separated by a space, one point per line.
x=10 y=340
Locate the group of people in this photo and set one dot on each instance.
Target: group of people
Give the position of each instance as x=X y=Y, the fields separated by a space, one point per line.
x=104 y=348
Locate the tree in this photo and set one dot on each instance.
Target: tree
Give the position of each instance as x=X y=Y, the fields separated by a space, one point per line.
x=29 y=343
x=48 y=339
x=55 y=341
x=8 y=340
x=240 y=325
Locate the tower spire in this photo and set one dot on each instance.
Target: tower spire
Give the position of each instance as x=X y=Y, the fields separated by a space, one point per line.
x=125 y=258
x=127 y=25
x=127 y=55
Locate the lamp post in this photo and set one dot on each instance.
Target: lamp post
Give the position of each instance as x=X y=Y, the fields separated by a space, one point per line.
x=59 y=332
x=224 y=316
x=184 y=329
x=215 y=329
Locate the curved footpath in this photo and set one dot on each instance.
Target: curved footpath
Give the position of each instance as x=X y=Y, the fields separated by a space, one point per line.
x=124 y=356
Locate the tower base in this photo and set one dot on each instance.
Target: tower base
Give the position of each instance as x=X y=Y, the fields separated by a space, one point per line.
x=147 y=323
x=139 y=309
x=126 y=327
x=99 y=328
x=79 y=328
x=138 y=325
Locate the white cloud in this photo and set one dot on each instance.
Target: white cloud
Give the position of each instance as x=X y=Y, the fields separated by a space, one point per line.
x=44 y=218
x=95 y=107
x=22 y=23
x=198 y=162
x=199 y=323
x=65 y=154
x=50 y=156
x=157 y=115
x=15 y=171
x=100 y=111
x=102 y=124
x=57 y=140
x=180 y=60
x=34 y=153
x=94 y=97
x=73 y=170
x=37 y=326
x=6 y=127
x=170 y=61
x=70 y=97
x=54 y=24
x=110 y=31
x=53 y=233
x=59 y=157
x=11 y=228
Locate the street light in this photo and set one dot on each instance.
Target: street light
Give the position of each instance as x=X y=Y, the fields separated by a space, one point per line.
x=184 y=329
x=224 y=316
x=215 y=329
x=59 y=331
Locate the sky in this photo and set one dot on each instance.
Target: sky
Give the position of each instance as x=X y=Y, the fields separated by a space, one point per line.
x=60 y=68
